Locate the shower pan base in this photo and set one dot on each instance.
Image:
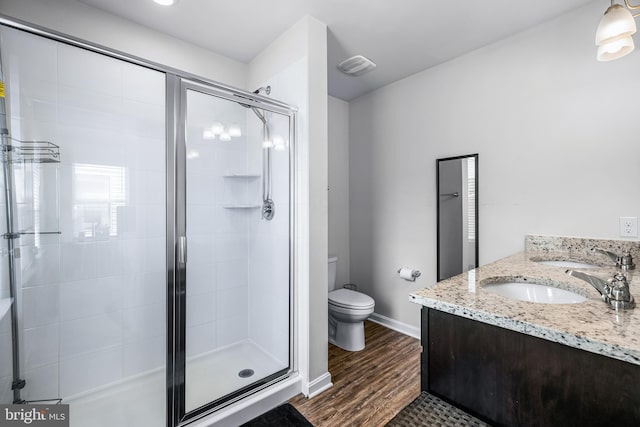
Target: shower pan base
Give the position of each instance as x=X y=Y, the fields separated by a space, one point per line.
x=215 y=375
x=135 y=402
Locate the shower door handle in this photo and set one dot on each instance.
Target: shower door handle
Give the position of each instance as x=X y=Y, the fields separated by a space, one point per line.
x=182 y=250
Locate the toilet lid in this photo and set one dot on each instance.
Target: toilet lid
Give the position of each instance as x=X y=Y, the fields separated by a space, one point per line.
x=350 y=299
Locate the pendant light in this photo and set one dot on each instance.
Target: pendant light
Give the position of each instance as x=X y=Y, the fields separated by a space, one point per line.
x=616 y=27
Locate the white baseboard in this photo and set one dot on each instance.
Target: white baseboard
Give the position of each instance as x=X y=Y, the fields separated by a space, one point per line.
x=320 y=384
x=403 y=328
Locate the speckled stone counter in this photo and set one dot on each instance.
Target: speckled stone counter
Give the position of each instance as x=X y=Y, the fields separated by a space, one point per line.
x=589 y=325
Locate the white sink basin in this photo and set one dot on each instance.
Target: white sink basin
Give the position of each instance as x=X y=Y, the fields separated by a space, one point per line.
x=568 y=264
x=534 y=292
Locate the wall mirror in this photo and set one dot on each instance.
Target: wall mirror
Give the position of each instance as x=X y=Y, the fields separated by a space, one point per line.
x=457 y=184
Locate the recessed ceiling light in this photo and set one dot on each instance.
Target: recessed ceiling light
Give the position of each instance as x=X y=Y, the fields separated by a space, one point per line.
x=165 y=2
x=356 y=65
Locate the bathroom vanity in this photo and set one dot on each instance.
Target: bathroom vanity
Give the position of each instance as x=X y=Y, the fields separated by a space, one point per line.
x=514 y=362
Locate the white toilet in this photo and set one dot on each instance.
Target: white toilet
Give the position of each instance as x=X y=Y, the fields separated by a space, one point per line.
x=347 y=312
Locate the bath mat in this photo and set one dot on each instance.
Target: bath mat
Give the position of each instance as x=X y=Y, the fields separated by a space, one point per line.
x=428 y=410
x=282 y=416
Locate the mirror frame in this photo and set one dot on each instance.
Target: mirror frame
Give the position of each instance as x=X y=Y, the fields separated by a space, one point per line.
x=438 y=234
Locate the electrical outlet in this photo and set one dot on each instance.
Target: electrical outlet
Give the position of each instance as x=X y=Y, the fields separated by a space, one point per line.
x=629 y=226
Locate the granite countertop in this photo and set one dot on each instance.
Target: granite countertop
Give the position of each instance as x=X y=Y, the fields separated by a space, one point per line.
x=590 y=325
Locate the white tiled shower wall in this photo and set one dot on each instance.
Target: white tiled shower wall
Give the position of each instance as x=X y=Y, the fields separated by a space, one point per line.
x=217 y=236
x=269 y=240
x=93 y=299
x=238 y=269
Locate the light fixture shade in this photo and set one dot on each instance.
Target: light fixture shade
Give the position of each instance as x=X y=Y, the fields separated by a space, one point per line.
x=615 y=49
x=224 y=136
x=165 y=2
x=617 y=23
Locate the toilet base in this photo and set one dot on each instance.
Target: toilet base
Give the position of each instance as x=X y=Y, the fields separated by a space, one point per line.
x=348 y=336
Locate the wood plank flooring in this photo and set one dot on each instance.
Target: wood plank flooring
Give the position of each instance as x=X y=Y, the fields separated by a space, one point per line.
x=370 y=386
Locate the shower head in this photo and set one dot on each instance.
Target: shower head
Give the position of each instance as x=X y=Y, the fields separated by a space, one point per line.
x=265 y=90
x=260 y=90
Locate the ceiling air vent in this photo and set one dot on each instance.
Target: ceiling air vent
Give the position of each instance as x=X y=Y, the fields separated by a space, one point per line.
x=356 y=65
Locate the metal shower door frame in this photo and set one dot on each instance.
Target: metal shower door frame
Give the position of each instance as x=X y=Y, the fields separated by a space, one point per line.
x=177 y=89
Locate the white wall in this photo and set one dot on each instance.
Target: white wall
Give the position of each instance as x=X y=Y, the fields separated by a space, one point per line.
x=319 y=377
x=79 y=20
x=306 y=41
x=556 y=134
x=339 y=186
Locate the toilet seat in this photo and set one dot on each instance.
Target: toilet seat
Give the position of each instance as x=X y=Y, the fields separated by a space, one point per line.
x=346 y=298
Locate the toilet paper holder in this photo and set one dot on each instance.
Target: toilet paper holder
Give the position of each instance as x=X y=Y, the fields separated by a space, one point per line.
x=409 y=274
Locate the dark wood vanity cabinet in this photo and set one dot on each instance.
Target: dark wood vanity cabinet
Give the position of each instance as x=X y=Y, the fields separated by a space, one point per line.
x=512 y=379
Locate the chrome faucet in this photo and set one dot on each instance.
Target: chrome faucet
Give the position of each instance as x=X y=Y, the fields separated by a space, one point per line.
x=624 y=261
x=615 y=291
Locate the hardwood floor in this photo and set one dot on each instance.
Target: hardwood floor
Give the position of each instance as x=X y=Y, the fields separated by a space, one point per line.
x=370 y=386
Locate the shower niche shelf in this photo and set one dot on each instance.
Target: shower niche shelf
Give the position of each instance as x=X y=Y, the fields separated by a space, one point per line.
x=240 y=206
x=238 y=189
x=242 y=175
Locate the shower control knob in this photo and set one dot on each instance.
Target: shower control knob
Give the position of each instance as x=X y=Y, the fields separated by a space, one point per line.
x=268 y=209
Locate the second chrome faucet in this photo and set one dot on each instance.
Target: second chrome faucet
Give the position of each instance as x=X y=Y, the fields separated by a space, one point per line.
x=624 y=261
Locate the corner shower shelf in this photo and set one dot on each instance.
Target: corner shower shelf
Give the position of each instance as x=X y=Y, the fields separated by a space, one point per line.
x=29 y=233
x=5 y=305
x=241 y=206
x=17 y=151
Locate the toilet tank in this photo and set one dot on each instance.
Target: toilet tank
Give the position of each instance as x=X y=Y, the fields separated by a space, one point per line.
x=333 y=262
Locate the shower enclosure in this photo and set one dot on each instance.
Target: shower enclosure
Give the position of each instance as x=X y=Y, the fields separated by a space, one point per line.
x=237 y=292
x=146 y=276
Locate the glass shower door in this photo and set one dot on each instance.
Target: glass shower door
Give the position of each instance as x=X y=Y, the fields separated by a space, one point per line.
x=237 y=302
x=90 y=227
